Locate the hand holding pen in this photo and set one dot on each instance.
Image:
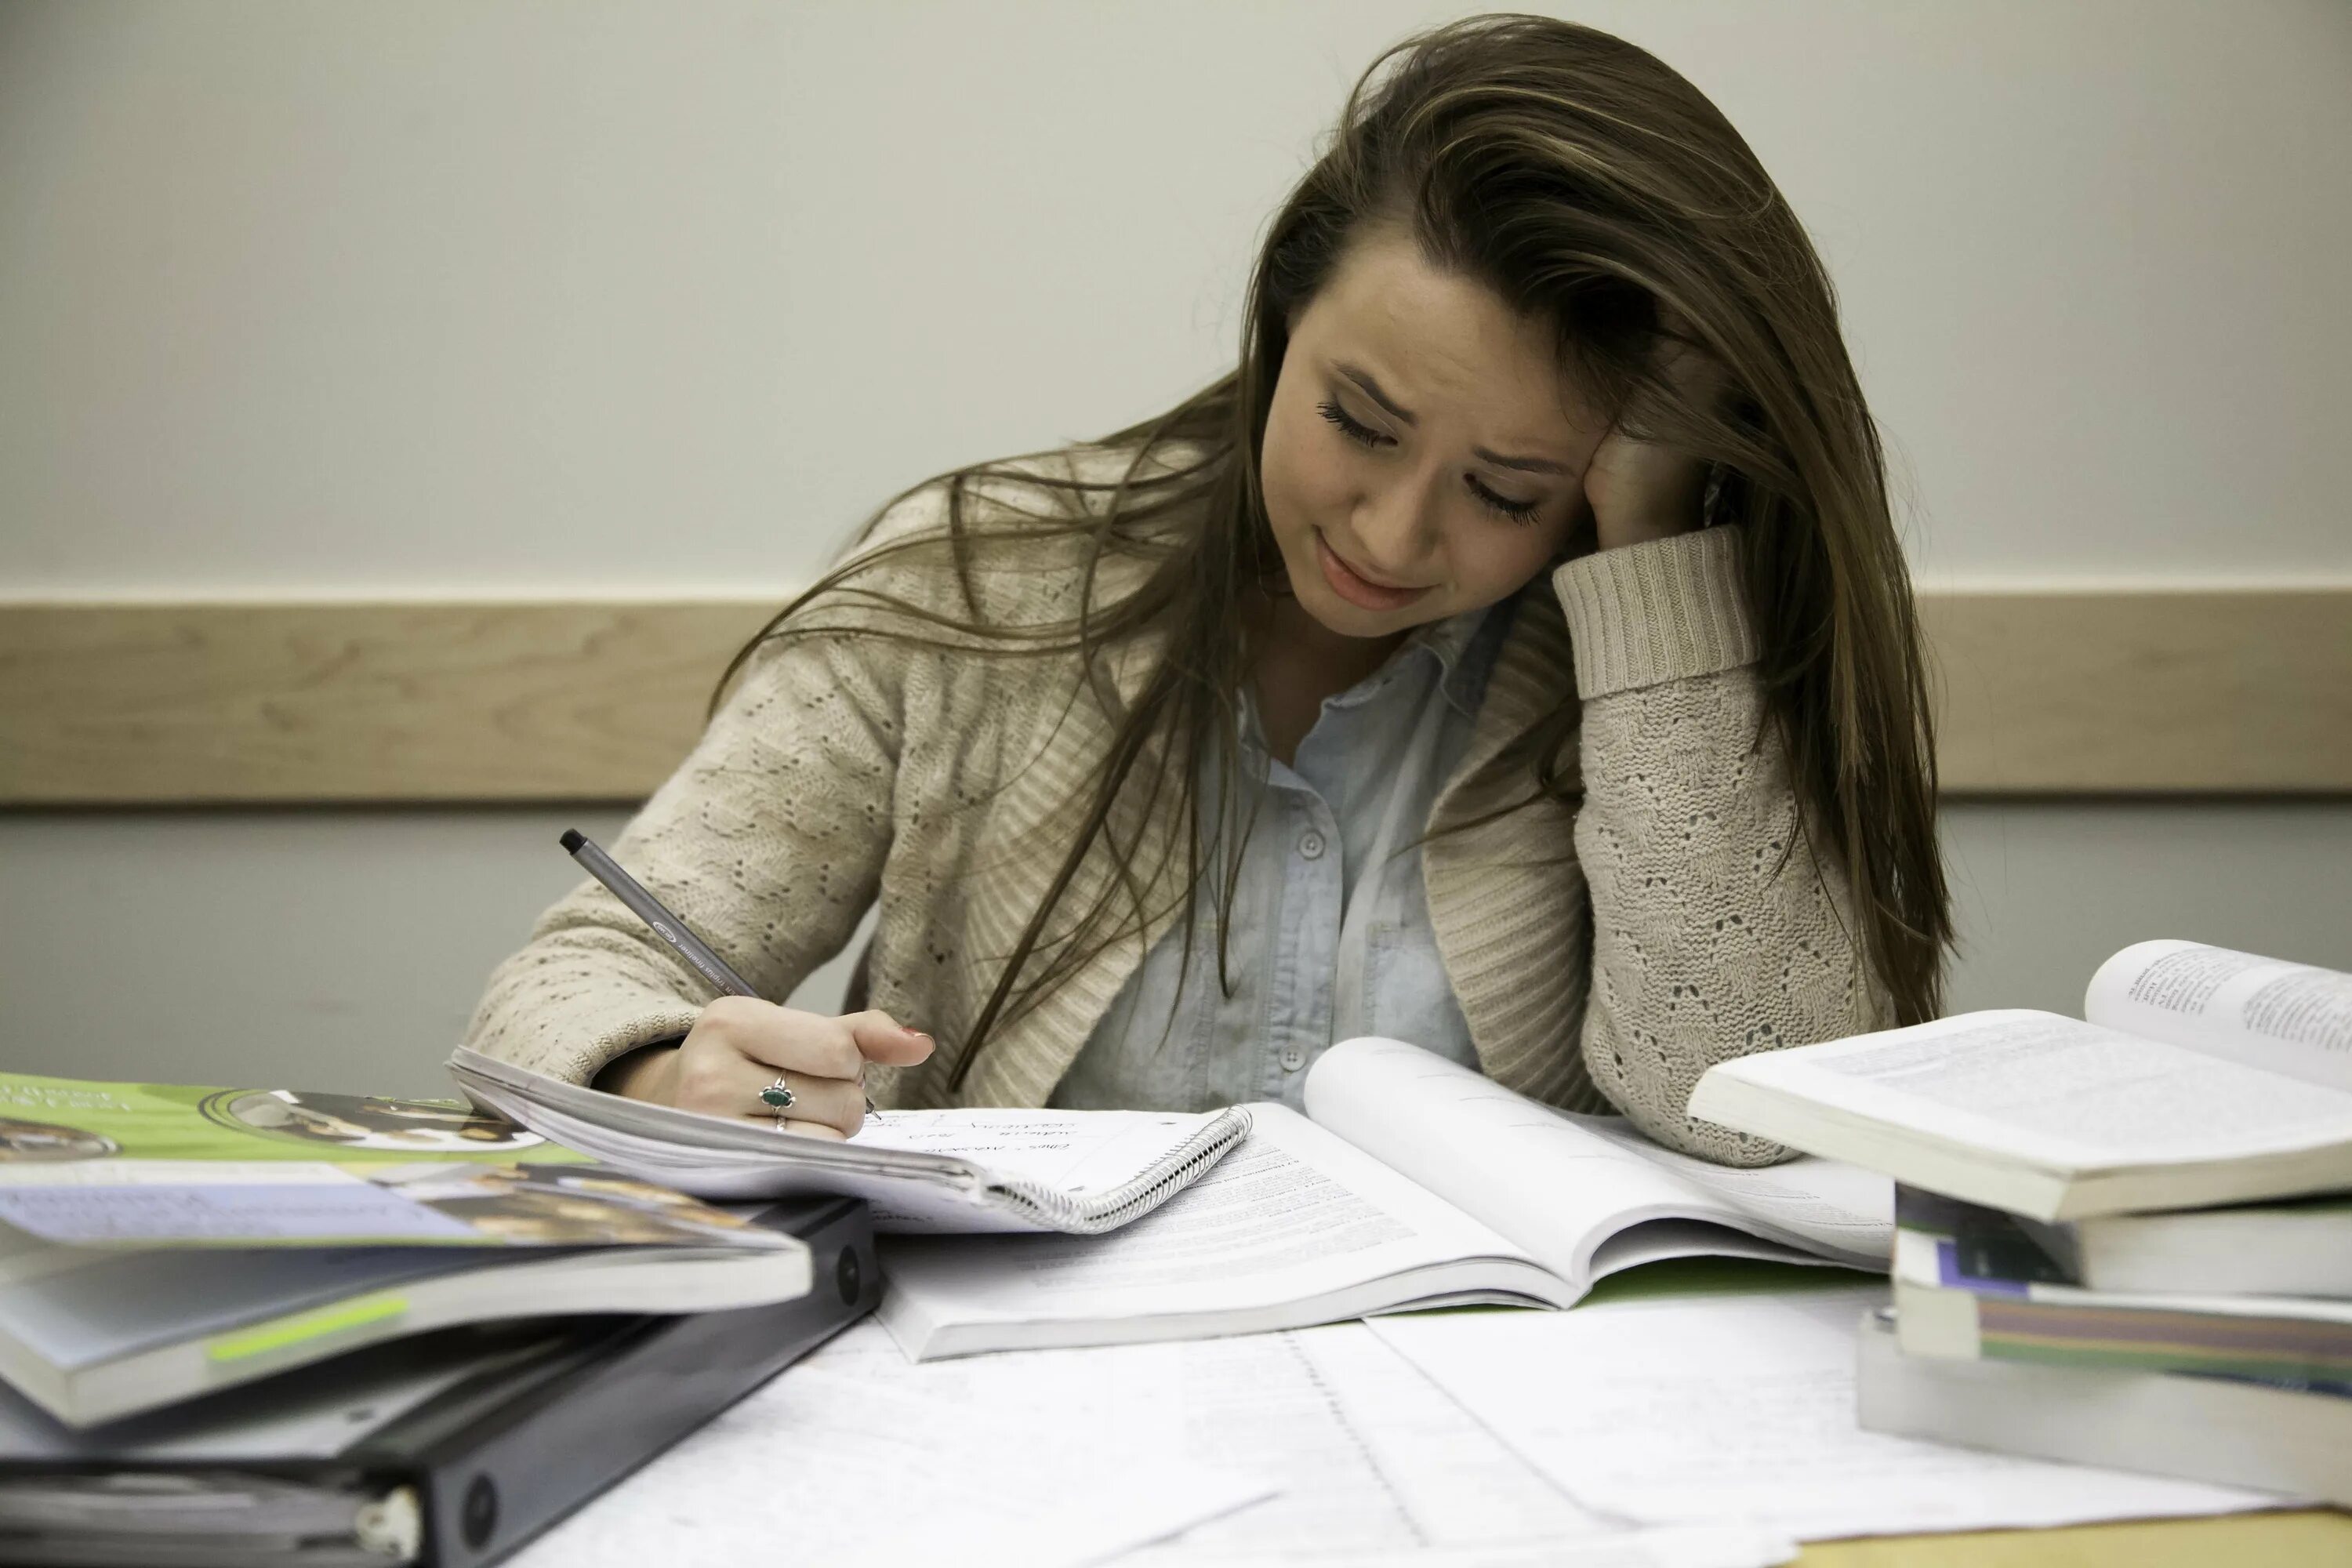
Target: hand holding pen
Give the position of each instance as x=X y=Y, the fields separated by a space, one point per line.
x=746 y=1056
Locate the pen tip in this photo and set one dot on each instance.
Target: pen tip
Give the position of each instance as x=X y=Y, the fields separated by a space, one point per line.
x=572 y=840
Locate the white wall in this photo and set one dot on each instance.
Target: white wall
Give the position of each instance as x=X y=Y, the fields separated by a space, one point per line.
x=520 y=296
x=345 y=949
x=499 y=295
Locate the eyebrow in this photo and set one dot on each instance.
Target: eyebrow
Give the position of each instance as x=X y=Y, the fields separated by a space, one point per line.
x=1371 y=389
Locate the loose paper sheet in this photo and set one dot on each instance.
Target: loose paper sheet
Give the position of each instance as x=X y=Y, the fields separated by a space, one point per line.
x=1739 y=1410
x=1674 y=1548
x=850 y=1458
x=1370 y=1456
x=857 y=1456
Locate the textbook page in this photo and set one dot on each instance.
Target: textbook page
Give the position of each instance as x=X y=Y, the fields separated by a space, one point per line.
x=2040 y=1088
x=1740 y=1409
x=2291 y=1018
x=1295 y=1226
x=1587 y=1195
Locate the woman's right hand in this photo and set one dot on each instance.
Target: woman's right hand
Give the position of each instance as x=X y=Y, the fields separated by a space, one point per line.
x=741 y=1045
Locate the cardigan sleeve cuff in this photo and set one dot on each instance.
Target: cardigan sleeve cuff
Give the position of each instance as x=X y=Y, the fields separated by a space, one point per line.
x=576 y=1049
x=1665 y=609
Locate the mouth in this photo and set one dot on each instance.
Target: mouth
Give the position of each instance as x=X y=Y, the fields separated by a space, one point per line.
x=1355 y=587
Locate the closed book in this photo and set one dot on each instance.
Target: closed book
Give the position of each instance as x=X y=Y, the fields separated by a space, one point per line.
x=1971 y=1283
x=2290 y=1439
x=2297 y=1248
x=447 y=1450
x=160 y=1241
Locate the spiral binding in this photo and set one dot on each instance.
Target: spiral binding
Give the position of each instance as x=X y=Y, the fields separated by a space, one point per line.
x=1080 y=1216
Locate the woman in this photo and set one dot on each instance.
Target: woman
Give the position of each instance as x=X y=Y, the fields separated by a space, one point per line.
x=1513 y=655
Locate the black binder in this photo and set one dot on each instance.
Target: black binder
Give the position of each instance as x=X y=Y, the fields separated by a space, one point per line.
x=539 y=1418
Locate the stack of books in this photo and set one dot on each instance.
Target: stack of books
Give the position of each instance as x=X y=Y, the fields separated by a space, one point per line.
x=2124 y=1240
x=245 y=1326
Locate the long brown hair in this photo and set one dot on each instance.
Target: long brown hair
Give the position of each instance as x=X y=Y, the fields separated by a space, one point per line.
x=1593 y=189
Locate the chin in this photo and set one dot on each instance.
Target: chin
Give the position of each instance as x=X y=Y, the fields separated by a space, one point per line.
x=1337 y=615
x=1353 y=620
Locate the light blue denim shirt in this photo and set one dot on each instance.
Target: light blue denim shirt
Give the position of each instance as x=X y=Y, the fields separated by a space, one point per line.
x=1376 y=748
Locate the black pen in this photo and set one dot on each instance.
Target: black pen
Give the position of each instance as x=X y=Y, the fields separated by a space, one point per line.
x=666 y=925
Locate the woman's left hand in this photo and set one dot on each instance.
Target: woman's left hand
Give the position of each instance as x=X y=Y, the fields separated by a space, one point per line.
x=1638 y=490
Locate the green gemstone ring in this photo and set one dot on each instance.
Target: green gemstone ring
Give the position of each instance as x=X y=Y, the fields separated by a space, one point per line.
x=777 y=1095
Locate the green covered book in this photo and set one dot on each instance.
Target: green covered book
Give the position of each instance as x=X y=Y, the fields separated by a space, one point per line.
x=158 y=1241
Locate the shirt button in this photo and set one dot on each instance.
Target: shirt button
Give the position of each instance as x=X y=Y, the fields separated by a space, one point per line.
x=1310 y=844
x=1293 y=1058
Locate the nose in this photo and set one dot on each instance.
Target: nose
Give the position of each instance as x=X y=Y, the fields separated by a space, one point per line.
x=1396 y=528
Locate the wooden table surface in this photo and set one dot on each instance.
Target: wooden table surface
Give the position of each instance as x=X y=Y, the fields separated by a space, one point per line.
x=2316 y=1536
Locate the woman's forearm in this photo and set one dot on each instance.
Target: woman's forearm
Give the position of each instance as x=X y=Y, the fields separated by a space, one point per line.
x=1715 y=933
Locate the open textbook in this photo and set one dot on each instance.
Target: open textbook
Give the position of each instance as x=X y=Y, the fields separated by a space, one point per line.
x=1081 y=1171
x=1411 y=1181
x=2197 y=1076
x=159 y=1241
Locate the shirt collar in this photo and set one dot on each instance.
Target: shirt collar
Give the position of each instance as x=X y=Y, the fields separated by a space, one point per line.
x=1464 y=646
x=1461 y=673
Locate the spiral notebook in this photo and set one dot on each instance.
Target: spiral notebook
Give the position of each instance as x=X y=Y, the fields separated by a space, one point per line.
x=1080 y=1172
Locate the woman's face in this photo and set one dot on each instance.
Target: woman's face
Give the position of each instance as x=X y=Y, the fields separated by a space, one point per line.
x=1424 y=454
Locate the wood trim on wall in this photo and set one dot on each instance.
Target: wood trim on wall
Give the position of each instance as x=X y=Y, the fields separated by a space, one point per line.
x=2241 y=692
x=2171 y=691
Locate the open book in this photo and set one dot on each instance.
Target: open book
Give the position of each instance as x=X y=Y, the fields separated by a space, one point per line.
x=2197 y=1076
x=1082 y=1171
x=1411 y=1181
x=159 y=1241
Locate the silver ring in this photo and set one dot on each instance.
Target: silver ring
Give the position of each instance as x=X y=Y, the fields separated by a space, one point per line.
x=778 y=1095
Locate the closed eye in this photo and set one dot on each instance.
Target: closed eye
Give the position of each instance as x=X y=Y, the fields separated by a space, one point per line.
x=1523 y=512
x=1362 y=435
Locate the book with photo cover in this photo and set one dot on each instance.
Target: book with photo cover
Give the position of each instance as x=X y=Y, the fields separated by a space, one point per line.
x=162 y=1240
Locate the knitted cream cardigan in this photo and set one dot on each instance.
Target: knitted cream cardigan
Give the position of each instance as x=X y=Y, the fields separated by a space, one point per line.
x=1604 y=953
